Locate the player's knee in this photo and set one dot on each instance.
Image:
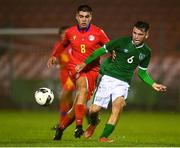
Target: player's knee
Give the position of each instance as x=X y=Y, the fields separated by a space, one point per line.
x=94 y=108
x=118 y=105
x=122 y=102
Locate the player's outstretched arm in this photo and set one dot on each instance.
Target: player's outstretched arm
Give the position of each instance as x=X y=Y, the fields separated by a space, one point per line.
x=51 y=61
x=143 y=75
x=159 y=87
x=97 y=53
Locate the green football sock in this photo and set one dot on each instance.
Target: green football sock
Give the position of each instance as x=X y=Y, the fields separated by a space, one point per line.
x=108 y=129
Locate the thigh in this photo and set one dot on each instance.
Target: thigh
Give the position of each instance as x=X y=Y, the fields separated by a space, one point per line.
x=120 y=89
x=102 y=93
x=91 y=80
x=82 y=90
x=81 y=83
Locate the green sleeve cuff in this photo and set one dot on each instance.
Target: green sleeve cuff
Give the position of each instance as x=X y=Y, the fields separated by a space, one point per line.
x=143 y=75
x=97 y=53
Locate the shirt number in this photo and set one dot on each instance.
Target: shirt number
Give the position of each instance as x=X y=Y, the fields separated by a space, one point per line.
x=83 y=48
x=130 y=60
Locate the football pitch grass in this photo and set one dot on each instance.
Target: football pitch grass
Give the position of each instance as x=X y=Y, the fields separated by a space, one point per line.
x=33 y=128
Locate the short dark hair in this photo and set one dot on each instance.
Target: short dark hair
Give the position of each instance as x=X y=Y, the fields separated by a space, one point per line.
x=84 y=8
x=62 y=29
x=142 y=25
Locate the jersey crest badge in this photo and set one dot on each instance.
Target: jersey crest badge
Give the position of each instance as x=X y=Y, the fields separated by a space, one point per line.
x=141 y=56
x=91 y=37
x=74 y=37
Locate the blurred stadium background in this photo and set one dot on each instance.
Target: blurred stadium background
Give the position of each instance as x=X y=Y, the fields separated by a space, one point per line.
x=28 y=30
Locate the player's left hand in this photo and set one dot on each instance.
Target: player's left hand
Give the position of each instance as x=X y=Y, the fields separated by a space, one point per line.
x=159 y=87
x=80 y=67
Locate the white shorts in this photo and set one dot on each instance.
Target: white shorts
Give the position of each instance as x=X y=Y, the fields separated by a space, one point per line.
x=109 y=89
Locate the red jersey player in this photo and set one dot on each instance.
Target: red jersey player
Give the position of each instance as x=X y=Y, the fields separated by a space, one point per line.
x=66 y=96
x=84 y=38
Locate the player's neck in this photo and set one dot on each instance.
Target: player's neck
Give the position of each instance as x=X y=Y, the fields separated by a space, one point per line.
x=139 y=45
x=83 y=29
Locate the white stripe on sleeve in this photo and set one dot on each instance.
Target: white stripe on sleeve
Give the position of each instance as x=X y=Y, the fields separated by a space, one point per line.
x=142 y=68
x=104 y=46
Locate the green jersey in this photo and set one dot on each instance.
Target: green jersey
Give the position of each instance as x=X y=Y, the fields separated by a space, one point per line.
x=104 y=64
x=128 y=57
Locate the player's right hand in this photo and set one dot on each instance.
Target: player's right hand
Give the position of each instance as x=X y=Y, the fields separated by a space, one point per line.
x=80 y=67
x=51 y=61
x=159 y=87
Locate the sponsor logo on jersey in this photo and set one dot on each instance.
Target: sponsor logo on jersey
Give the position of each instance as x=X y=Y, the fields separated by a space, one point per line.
x=125 y=50
x=91 y=37
x=141 y=56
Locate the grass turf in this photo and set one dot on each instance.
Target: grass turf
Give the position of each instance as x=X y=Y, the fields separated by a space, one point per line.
x=134 y=129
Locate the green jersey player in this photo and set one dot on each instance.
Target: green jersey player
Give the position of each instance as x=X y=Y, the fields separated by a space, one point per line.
x=131 y=52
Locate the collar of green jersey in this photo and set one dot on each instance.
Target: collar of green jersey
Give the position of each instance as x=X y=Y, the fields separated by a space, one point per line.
x=138 y=46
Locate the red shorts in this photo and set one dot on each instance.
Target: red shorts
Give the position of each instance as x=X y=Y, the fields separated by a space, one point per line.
x=66 y=82
x=90 y=75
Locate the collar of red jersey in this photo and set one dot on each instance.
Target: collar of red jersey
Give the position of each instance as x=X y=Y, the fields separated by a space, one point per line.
x=86 y=30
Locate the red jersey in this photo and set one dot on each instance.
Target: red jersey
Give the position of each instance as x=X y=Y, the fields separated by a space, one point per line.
x=83 y=43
